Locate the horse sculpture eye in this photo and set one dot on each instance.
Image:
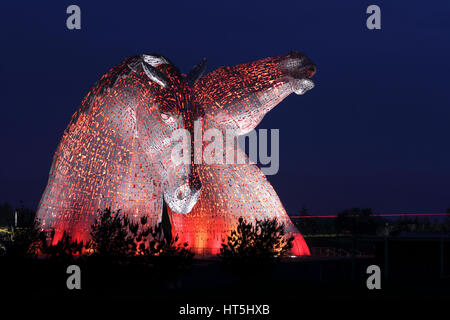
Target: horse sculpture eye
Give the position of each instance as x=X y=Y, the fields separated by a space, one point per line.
x=166 y=118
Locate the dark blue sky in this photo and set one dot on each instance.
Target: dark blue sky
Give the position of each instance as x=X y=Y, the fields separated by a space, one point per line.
x=373 y=133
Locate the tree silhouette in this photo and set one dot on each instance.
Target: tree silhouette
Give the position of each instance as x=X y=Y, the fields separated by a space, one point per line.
x=265 y=239
x=64 y=249
x=113 y=234
x=115 y=238
x=356 y=221
x=6 y=214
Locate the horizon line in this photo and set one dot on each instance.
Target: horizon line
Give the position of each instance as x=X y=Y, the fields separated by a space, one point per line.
x=374 y=214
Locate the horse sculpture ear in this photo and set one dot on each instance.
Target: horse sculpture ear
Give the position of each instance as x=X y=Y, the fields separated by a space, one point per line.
x=196 y=73
x=155 y=59
x=154 y=74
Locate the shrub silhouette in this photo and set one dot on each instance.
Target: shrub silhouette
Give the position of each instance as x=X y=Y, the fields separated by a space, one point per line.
x=65 y=249
x=265 y=239
x=114 y=235
x=114 y=238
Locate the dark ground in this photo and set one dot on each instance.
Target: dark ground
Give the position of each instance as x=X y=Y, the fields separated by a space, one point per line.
x=326 y=286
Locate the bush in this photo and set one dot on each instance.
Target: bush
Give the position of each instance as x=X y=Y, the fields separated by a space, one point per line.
x=264 y=240
x=116 y=238
x=65 y=249
x=114 y=235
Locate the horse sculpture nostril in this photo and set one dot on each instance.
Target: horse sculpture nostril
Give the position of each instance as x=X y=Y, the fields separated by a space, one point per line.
x=195 y=183
x=308 y=71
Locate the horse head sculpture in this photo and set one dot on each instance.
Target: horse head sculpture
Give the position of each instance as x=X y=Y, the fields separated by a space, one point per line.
x=117 y=150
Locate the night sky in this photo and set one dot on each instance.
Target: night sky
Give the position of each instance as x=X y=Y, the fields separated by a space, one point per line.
x=373 y=132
